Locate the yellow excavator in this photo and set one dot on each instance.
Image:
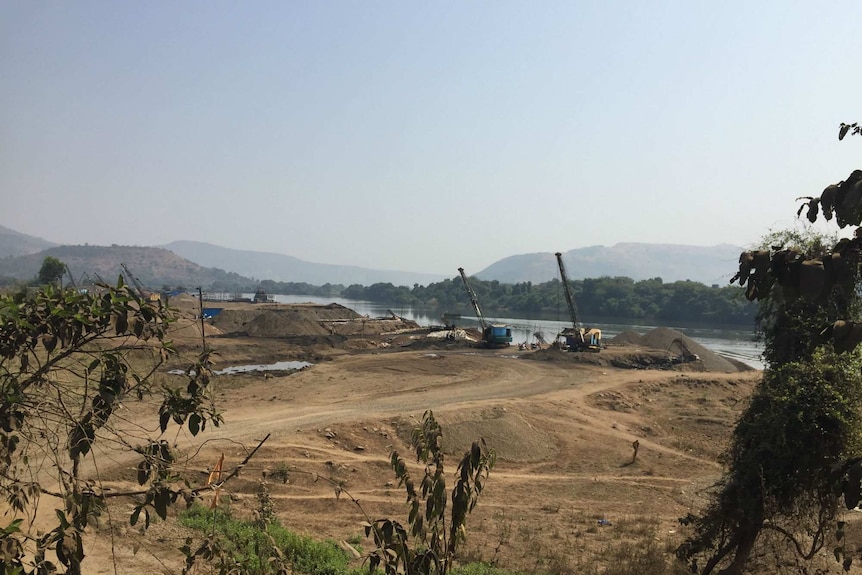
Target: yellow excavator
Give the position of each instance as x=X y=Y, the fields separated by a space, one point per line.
x=576 y=338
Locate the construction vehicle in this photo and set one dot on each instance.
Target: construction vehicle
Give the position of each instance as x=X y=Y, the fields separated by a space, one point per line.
x=576 y=338
x=685 y=355
x=493 y=335
x=142 y=291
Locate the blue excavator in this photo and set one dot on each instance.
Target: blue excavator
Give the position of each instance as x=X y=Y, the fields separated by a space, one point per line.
x=493 y=335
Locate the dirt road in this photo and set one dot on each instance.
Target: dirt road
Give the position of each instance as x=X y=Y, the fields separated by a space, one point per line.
x=563 y=433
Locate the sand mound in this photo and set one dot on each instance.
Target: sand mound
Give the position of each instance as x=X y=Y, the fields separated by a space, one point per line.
x=269 y=322
x=370 y=326
x=191 y=329
x=626 y=338
x=184 y=301
x=277 y=323
x=304 y=320
x=667 y=339
x=508 y=433
x=661 y=348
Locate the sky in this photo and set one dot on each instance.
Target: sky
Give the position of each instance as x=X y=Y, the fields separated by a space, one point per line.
x=422 y=136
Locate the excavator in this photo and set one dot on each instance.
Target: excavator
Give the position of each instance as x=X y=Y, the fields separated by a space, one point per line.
x=576 y=338
x=493 y=335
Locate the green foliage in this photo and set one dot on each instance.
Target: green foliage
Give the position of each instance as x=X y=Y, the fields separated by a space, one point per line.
x=299 y=288
x=68 y=361
x=802 y=423
x=788 y=325
x=480 y=569
x=795 y=448
x=606 y=297
x=51 y=271
x=247 y=548
x=431 y=545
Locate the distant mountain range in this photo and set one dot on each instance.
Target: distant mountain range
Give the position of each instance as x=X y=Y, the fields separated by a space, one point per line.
x=671 y=262
x=14 y=243
x=190 y=264
x=153 y=267
x=280 y=267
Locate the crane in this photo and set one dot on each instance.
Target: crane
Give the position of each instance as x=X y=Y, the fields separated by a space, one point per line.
x=144 y=293
x=73 y=283
x=577 y=338
x=71 y=277
x=492 y=335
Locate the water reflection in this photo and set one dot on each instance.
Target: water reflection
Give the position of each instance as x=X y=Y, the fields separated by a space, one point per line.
x=234 y=369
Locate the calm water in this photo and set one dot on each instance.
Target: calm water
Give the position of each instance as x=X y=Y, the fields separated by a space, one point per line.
x=734 y=343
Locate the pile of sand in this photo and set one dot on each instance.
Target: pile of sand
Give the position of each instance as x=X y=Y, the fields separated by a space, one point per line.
x=666 y=339
x=268 y=322
x=626 y=338
x=506 y=432
x=281 y=323
x=370 y=326
x=304 y=320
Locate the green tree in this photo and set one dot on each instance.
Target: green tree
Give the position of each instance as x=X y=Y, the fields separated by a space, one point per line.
x=68 y=361
x=433 y=538
x=52 y=270
x=790 y=449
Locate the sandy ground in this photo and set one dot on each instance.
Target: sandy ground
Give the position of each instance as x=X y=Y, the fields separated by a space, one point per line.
x=563 y=431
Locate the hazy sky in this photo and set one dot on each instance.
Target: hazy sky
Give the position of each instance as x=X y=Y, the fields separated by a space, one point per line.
x=422 y=136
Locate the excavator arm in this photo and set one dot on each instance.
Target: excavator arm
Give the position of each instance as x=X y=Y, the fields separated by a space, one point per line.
x=576 y=337
x=473 y=300
x=496 y=335
x=135 y=281
x=567 y=290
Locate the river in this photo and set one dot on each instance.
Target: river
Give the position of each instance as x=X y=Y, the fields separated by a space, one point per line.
x=734 y=343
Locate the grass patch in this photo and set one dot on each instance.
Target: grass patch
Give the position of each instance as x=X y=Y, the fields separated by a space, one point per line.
x=250 y=546
x=481 y=569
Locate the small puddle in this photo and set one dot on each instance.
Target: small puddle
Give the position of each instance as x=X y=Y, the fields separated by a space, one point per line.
x=234 y=369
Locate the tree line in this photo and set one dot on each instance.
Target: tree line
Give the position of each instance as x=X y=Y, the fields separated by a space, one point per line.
x=597 y=298
x=604 y=298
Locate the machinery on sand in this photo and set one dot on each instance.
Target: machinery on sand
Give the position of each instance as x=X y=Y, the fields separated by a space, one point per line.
x=142 y=291
x=493 y=335
x=576 y=338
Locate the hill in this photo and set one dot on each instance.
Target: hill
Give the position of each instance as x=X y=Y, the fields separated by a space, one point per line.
x=15 y=244
x=280 y=267
x=154 y=267
x=671 y=262
x=190 y=264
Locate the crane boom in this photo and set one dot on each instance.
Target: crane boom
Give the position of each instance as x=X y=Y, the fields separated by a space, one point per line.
x=473 y=300
x=137 y=283
x=71 y=277
x=496 y=335
x=567 y=290
x=577 y=338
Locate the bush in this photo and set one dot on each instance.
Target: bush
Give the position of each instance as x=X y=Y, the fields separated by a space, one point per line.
x=250 y=546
